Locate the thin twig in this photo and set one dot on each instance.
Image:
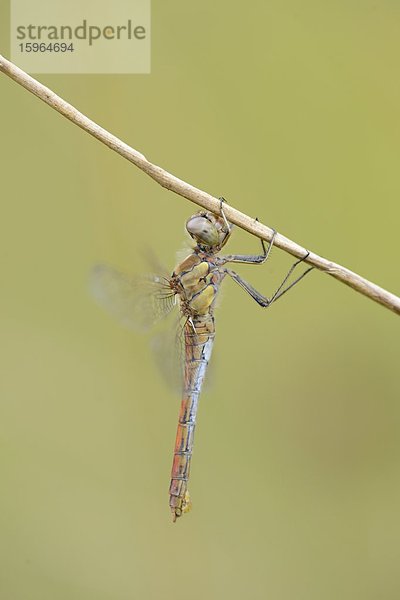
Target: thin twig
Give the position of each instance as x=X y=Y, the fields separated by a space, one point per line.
x=170 y=182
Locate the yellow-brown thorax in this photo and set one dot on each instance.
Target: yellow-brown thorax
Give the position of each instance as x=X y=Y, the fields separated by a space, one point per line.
x=196 y=281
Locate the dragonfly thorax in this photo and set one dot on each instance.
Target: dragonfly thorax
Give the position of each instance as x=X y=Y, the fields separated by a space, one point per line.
x=196 y=281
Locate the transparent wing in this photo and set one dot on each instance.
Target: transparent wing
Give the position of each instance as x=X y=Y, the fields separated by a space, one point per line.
x=167 y=345
x=136 y=302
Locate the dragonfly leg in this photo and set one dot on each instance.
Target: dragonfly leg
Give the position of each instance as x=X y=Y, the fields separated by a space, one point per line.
x=228 y=226
x=262 y=300
x=252 y=259
x=222 y=213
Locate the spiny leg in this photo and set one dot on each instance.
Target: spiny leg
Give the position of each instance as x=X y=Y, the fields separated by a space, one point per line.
x=262 y=300
x=279 y=292
x=255 y=259
x=259 y=259
x=222 y=213
x=252 y=259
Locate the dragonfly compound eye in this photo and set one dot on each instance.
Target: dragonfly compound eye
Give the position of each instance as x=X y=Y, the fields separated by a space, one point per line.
x=203 y=231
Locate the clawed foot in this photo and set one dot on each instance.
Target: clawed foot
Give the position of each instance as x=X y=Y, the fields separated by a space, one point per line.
x=222 y=212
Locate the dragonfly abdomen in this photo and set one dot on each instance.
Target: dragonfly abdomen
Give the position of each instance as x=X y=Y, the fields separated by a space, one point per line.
x=199 y=339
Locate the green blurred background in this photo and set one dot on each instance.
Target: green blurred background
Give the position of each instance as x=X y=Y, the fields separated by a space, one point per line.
x=291 y=111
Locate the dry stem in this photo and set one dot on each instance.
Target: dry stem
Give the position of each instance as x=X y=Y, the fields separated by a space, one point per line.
x=170 y=182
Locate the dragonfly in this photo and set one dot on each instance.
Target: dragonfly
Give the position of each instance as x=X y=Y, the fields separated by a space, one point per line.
x=193 y=288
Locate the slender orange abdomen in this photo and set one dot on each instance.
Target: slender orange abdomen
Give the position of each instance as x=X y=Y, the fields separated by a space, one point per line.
x=199 y=339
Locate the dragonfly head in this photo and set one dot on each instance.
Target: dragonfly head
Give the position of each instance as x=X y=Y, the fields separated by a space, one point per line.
x=208 y=230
